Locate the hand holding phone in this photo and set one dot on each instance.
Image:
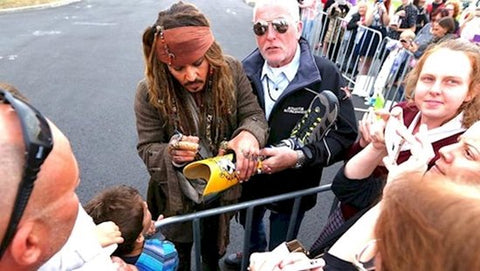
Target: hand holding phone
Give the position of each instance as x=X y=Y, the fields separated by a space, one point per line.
x=310 y=264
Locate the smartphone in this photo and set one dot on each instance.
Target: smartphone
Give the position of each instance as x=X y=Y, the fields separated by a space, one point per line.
x=305 y=265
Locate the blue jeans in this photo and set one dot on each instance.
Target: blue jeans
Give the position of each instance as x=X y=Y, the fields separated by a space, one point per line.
x=278 y=229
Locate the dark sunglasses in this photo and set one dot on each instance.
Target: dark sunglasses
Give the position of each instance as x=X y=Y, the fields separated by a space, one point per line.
x=261 y=27
x=38 y=144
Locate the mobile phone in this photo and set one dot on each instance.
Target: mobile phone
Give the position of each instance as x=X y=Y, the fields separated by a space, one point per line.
x=305 y=265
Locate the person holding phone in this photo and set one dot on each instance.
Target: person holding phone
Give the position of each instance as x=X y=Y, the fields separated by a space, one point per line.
x=376 y=19
x=445 y=98
x=404 y=17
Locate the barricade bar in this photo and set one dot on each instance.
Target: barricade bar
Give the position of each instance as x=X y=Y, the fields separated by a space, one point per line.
x=249 y=205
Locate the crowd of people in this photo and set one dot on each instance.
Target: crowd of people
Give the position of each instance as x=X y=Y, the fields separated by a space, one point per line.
x=408 y=175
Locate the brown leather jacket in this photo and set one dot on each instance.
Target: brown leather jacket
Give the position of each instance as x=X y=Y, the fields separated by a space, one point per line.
x=164 y=194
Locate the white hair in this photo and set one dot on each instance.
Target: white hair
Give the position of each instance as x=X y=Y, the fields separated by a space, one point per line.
x=290 y=5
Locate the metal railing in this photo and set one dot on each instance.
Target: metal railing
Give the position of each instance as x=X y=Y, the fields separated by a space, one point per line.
x=344 y=49
x=249 y=206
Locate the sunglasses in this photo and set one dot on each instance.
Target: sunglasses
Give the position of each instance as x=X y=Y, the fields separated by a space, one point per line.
x=261 y=27
x=38 y=143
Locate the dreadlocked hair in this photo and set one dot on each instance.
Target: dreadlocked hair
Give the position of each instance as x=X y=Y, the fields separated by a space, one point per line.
x=161 y=84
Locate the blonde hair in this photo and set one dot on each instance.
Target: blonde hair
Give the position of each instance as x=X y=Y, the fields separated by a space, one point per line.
x=408 y=34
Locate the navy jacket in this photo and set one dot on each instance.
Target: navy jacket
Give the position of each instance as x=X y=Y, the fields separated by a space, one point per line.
x=318 y=74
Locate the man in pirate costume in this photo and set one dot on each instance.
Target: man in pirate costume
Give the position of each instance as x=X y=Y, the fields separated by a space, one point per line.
x=193 y=101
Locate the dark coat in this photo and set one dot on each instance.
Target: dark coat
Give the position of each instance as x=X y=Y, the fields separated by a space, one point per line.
x=318 y=74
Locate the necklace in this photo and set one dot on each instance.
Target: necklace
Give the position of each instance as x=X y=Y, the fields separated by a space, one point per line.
x=268 y=90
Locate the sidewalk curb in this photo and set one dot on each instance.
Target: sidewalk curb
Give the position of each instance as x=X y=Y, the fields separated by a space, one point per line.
x=41 y=6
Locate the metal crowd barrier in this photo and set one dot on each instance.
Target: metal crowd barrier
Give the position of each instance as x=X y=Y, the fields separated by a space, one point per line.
x=342 y=48
x=249 y=205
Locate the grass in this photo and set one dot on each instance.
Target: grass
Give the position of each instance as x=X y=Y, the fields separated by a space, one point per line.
x=4 y=4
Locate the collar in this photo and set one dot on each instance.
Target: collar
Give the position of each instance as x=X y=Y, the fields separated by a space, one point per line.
x=289 y=70
x=451 y=127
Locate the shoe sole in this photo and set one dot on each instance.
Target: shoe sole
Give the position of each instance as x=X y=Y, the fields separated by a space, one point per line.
x=315 y=123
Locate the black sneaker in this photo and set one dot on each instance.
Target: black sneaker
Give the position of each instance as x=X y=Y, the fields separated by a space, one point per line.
x=319 y=118
x=234 y=260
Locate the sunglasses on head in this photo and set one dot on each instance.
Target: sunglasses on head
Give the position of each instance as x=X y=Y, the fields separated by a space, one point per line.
x=261 y=27
x=38 y=141
x=403 y=41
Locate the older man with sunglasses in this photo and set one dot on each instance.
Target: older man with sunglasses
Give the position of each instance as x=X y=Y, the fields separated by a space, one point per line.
x=282 y=71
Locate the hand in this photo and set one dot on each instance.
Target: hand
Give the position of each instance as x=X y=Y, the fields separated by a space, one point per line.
x=182 y=149
x=393 y=27
x=108 y=233
x=401 y=13
x=372 y=127
x=277 y=159
x=246 y=149
x=381 y=6
x=422 y=153
x=299 y=261
x=122 y=265
x=263 y=261
x=270 y=261
x=413 y=47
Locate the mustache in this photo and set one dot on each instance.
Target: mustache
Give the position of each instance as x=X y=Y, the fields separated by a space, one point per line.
x=196 y=81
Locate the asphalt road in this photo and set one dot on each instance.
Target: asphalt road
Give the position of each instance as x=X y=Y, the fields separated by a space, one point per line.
x=79 y=64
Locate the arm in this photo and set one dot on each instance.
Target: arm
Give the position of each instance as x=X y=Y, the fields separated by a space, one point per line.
x=355 y=239
x=108 y=233
x=364 y=163
x=411 y=14
x=369 y=15
x=359 y=193
x=352 y=24
x=251 y=133
x=152 y=136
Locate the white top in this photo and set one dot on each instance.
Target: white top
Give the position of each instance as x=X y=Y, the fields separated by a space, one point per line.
x=82 y=251
x=276 y=80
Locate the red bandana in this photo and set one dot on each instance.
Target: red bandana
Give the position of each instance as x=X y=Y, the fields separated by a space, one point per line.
x=181 y=46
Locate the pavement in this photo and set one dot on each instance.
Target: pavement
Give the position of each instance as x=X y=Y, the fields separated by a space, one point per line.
x=40 y=6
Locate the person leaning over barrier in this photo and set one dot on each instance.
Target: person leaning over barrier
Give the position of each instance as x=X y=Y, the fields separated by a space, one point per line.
x=282 y=71
x=193 y=98
x=421 y=222
x=445 y=98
